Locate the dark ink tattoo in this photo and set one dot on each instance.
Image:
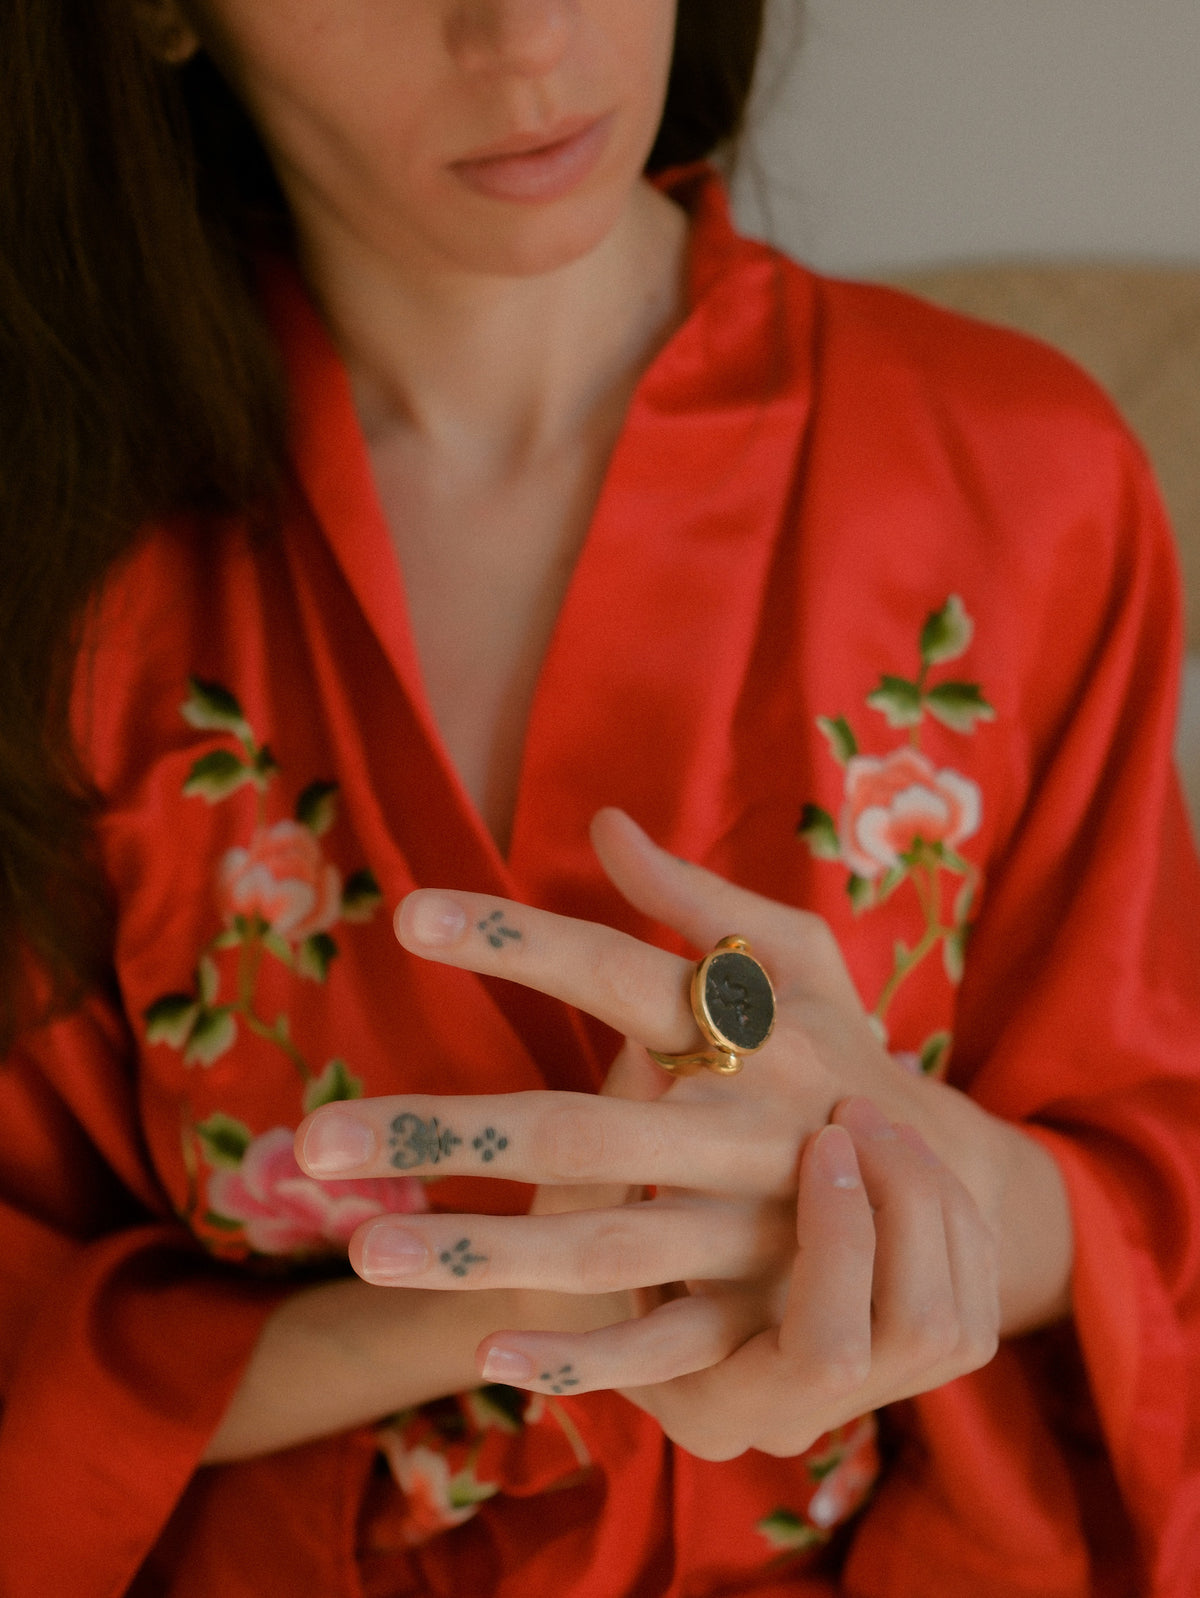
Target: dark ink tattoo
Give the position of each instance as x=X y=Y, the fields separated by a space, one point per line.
x=496 y=930
x=489 y=1144
x=560 y=1379
x=418 y=1142
x=459 y=1259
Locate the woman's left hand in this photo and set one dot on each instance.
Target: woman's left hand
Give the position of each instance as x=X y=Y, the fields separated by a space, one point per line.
x=849 y=1234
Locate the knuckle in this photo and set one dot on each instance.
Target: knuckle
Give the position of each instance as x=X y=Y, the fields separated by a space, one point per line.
x=573 y=1142
x=627 y=981
x=614 y=1257
x=936 y=1335
x=843 y=1372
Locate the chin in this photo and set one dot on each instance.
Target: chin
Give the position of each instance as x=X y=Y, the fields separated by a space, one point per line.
x=527 y=241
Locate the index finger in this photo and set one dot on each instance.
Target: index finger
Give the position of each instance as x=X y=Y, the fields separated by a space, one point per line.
x=637 y=989
x=552 y=1139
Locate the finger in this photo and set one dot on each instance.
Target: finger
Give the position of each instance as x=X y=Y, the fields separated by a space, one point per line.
x=586 y=1251
x=915 y=1305
x=826 y=1325
x=974 y=1265
x=632 y=1075
x=680 y=1336
x=638 y=990
x=554 y=1138
x=795 y=945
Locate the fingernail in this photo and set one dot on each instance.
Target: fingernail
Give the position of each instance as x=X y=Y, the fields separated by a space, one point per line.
x=335 y=1143
x=838 y=1161
x=865 y=1119
x=507 y=1365
x=432 y=919
x=390 y=1255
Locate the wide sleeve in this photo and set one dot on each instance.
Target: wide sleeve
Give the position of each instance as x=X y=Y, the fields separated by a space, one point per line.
x=120 y=1343
x=1071 y=1465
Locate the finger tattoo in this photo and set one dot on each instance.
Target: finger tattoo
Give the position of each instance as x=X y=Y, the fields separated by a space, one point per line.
x=488 y=1144
x=459 y=1259
x=561 y=1380
x=497 y=931
x=417 y=1142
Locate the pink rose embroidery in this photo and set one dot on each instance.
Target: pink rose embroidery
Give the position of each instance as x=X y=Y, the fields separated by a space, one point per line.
x=902 y=819
x=894 y=802
x=283 y=879
x=282 y=1211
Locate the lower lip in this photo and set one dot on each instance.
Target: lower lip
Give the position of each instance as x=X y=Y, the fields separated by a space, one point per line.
x=539 y=175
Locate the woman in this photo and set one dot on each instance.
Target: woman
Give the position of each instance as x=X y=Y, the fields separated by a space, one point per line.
x=667 y=510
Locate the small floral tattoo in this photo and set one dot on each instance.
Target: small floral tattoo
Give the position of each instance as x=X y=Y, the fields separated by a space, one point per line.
x=488 y=1144
x=417 y=1142
x=459 y=1259
x=497 y=931
x=560 y=1380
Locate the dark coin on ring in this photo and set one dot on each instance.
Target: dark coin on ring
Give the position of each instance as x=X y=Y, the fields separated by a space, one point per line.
x=733 y=994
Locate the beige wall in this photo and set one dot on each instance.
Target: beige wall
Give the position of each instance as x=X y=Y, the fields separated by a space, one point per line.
x=913 y=131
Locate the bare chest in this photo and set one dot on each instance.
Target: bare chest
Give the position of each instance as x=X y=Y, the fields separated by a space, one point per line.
x=486 y=568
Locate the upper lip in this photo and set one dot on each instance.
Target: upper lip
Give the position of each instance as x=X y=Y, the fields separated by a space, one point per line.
x=528 y=143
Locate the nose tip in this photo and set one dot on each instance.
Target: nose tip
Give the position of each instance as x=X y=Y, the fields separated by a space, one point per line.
x=521 y=36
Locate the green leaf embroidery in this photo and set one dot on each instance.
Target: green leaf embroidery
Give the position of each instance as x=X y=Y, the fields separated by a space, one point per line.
x=265 y=767
x=221 y=1223
x=964 y=902
x=465 y=1490
x=959 y=705
x=861 y=891
x=784 y=1529
x=208 y=979
x=212 y=708
x=216 y=775
x=361 y=896
x=841 y=737
x=935 y=1051
x=213 y=1035
x=316 y=807
x=899 y=700
x=498 y=1406
x=954 y=953
x=819 y=831
x=278 y=946
x=947 y=633
x=314 y=955
x=334 y=1084
x=171 y=1018
x=224 y=1140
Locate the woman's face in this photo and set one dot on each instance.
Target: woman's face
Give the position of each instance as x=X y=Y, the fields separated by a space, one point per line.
x=493 y=136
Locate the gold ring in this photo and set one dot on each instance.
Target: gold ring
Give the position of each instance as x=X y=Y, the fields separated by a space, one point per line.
x=734 y=1006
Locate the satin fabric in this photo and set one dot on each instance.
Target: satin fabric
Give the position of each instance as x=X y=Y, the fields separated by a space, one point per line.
x=808 y=471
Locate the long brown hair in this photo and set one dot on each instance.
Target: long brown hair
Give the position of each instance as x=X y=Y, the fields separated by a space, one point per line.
x=138 y=380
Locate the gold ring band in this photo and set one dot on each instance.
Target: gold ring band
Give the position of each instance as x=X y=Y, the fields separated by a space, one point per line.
x=733 y=1003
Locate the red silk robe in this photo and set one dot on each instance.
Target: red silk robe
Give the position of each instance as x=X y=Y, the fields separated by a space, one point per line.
x=877 y=615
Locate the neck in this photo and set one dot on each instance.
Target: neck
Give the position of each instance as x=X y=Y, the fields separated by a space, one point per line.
x=498 y=371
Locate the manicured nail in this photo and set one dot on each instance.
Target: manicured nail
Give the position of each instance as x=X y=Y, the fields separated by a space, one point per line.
x=336 y=1143
x=433 y=920
x=865 y=1119
x=390 y=1254
x=837 y=1159
x=507 y=1365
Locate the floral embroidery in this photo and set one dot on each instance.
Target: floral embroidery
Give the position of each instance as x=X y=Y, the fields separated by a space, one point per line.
x=452 y=1455
x=844 y=1466
x=902 y=820
x=278 y=898
x=259 y=1188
